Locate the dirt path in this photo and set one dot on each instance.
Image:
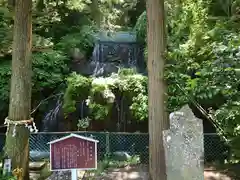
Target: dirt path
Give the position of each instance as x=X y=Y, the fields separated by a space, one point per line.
x=141 y=173
x=211 y=175
x=127 y=173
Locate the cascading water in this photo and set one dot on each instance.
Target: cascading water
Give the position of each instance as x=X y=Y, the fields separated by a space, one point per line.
x=82 y=107
x=109 y=54
x=50 y=121
x=116 y=51
x=98 y=67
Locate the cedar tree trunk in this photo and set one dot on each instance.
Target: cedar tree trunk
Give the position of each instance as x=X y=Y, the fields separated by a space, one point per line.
x=17 y=148
x=158 y=120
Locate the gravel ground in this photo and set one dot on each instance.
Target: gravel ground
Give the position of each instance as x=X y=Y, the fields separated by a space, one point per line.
x=127 y=173
x=60 y=175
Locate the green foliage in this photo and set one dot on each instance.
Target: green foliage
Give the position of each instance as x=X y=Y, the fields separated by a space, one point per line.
x=49 y=69
x=5 y=31
x=203 y=55
x=77 y=89
x=99 y=111
x=7 y=178
x=59 y=25
x=100 y=93
x=52 y=23
x=204 y=67
x=5 y=75
x=83 y=40
x=83 y=123
x=141 y=27
x=134 y=87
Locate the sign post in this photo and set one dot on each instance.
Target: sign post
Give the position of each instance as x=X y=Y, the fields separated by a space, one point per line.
x=73 y=153
x=74 y=174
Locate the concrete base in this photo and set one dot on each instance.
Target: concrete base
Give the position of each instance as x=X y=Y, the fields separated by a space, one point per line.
x=37 y=166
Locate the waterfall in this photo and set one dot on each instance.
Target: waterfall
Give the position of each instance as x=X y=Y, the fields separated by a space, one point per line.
x=50 y=121
x=109 y=54
x=113 y=52
x=82 y=113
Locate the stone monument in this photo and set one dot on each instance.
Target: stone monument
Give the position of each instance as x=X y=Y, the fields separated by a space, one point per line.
x=183 y=144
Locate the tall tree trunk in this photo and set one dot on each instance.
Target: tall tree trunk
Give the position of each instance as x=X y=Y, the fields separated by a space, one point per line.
x=158 y=120
x=17 y=147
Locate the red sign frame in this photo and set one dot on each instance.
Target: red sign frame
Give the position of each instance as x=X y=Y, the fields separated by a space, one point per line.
x=73 y=152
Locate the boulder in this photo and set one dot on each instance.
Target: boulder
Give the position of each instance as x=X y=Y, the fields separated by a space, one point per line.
x=121 y=156
x=39 y=155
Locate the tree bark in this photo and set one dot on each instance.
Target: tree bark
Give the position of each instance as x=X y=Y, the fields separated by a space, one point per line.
x=17 y=147
x=158 y=120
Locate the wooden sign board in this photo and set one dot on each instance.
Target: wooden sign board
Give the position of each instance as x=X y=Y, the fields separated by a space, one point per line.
x=73 y=152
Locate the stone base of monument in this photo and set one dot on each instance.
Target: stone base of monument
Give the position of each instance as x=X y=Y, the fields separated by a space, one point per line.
x=39 y=170
x=37 y=166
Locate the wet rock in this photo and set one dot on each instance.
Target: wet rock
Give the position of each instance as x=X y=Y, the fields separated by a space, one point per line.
x=36 y=166
x=120 y=156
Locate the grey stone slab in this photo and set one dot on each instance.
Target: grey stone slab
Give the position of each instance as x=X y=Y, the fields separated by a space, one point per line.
x=183 y=143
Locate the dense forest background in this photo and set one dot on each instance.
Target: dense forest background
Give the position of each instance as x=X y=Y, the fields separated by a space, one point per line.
x=202 y=60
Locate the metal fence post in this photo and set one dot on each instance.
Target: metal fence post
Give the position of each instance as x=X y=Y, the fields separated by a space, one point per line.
x=107 y=144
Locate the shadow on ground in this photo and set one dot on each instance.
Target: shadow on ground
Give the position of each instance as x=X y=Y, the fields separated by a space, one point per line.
x=222 y=172
x=140 y=172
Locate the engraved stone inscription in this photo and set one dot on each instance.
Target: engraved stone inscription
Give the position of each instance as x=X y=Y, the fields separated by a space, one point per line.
x=183 y=144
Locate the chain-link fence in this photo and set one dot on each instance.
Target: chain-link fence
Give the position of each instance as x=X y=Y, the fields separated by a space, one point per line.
x=215 y=149
x=133 y=143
